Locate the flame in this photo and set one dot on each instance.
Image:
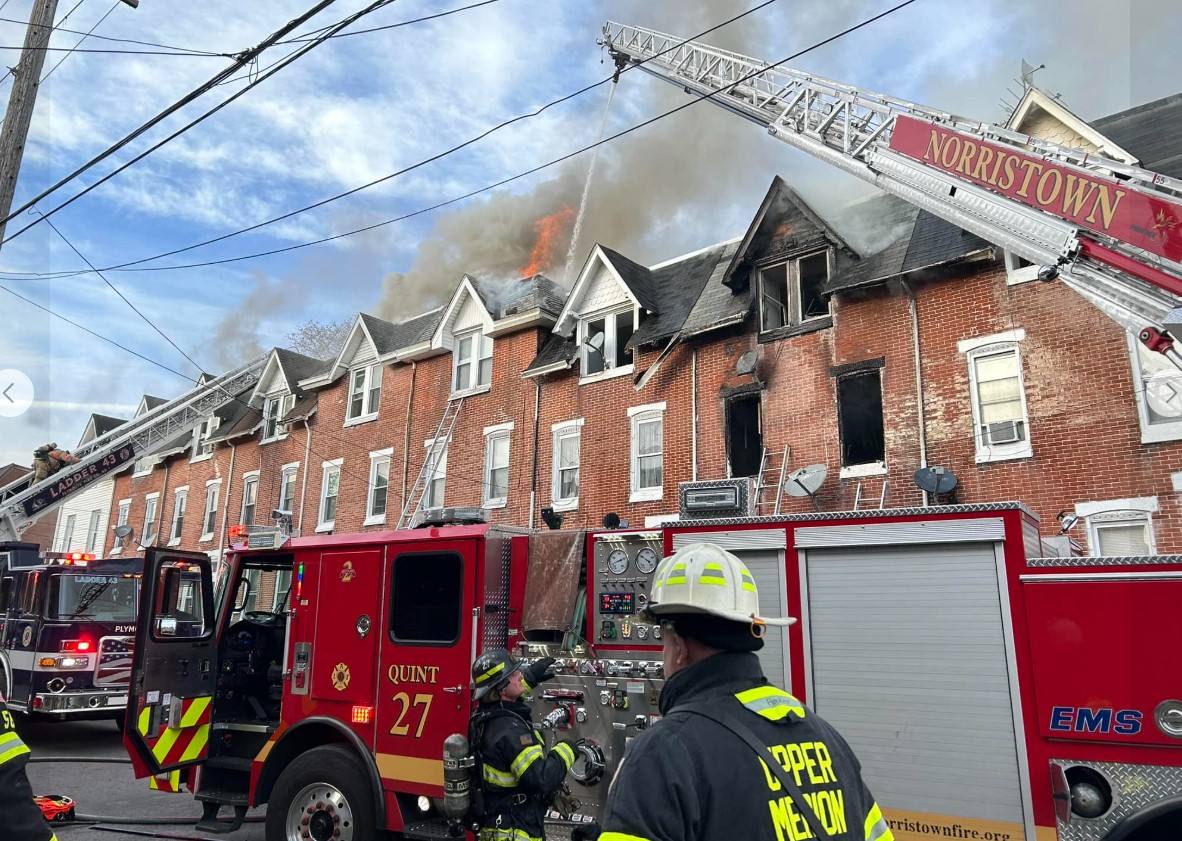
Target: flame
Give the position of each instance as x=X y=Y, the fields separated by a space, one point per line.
x=549 y=229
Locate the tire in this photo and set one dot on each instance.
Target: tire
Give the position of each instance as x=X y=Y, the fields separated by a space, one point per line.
x=119 y=723
x=328 y=787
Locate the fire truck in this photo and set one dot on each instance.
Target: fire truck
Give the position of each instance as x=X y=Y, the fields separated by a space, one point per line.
x=66 y=626
x=989 y=693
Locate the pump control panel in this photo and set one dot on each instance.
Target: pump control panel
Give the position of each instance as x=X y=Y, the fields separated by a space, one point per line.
x=624 y=564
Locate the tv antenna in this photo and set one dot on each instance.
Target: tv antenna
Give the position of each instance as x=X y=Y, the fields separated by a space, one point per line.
x=806 y=481
x=936 y=480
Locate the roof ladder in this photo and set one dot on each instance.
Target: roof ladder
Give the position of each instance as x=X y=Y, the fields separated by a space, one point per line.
x=768 y=466
x=414 y=500
x=881 y=497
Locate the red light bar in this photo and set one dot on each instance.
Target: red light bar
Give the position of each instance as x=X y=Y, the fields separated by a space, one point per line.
x=77 y=645
x=80 y=556
x=238 y=531
x=362 y=715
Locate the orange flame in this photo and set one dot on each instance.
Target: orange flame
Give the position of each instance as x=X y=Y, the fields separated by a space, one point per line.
x=549 y=229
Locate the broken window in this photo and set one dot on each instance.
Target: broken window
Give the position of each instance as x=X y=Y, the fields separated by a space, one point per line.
x=793 y=292
x=859 y=411
x=744 y=440
x=605 y=342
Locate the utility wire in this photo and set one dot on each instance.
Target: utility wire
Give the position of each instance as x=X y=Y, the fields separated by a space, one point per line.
x=392 y=25
x=44 y=40
x=242 y=60
x=113 y=52
x=528 y=172
x=433 y=158
x=123 y=40
x=80 y=40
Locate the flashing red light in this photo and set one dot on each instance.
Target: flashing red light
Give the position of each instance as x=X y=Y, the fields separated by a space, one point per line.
x=362 y=715
x=80 y=556
x=237 y=531
x=77 y=645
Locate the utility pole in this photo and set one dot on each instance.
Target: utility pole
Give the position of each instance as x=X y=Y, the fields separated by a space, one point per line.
x=26 y=80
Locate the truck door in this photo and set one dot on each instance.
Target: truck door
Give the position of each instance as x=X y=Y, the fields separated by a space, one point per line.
x=424 y=694
x=174 y=667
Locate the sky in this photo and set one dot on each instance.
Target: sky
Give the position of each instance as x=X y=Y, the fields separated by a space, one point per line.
x=360 y=107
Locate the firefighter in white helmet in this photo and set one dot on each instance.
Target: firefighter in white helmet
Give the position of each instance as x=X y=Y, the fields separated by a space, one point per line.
x=733 y=757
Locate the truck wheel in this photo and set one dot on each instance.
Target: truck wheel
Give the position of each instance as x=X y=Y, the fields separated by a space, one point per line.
x=322 y=795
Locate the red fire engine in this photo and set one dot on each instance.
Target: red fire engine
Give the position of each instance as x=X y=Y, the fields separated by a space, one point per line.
x=989 y=693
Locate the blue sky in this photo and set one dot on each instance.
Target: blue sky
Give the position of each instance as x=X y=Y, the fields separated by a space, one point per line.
x=360 y=107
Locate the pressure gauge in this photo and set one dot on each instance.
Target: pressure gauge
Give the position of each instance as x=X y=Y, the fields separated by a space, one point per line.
x=646 y=561
x=617 y=562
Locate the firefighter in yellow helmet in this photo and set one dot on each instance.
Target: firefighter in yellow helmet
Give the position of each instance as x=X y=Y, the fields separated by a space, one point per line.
x=22 y=817
x=518 y=777
x=733 y=757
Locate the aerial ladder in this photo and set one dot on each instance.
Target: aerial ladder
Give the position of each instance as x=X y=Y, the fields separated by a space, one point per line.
x=24 y=501
x=1112 y=231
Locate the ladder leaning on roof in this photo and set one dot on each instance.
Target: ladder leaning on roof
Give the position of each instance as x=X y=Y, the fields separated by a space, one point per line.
x=776 y=471
x=414 y=500
x=24 y=501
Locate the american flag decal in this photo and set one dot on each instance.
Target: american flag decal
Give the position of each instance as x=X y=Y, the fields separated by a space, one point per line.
x=114 y=661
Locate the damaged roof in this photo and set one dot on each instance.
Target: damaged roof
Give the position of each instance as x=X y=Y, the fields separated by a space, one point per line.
x=557 y=352
x=532 y=293
x=679 y=287
x=1152 y=132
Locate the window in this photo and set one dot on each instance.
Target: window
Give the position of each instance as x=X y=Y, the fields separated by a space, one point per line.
x=365 y=393
x=178 y=515
x=143 y=466
x=603 y=342
x=287 y=481
x=121 y=520
x=30 y=604
x=148 y=533
x=426 y=598
x=1120 y=527
x=250 y=496
x=330 y=488
x=92 y=531
x=1000 y=423
x=1018 y=269
x=792 y=293
x=859 y=415
x=472 y=362
x=496 y=465
x=202 y=448
x=379 y=486
x=1158 y=388
x=67 y=535
x=744 y=437
x=436 y=474
x=565 y=475
x=648 y=455
x=209 y=521
x=274 y=409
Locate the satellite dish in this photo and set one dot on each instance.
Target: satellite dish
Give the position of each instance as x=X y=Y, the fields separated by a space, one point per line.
x=122 y=531
x=936 y=480
x=747 y=362
x=806 y=481
x=596 y=342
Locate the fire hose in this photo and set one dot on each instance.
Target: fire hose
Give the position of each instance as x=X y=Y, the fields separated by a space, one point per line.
x=94 y=820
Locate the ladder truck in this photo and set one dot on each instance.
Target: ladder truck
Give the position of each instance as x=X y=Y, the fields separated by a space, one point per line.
x=67 y=620
x=1111 y=230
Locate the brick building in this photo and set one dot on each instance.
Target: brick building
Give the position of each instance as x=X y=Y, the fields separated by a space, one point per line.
x=927 y=346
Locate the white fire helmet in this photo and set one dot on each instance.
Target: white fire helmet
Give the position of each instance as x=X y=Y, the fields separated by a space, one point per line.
x=705 y=578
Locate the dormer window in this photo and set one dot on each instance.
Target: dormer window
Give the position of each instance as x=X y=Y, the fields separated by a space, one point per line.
x=365 y=393
x=202 y=446
x=274 y=409
x=793 y=292
x=603 y=341
x=471 y=362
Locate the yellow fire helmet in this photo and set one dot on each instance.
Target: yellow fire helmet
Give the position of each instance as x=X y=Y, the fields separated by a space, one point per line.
x=705 y=578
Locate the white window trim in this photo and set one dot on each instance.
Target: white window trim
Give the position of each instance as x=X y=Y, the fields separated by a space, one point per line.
x=1151 y=433
x=366 y=389
x=427 y=446
x=154 y=496
x=216 y=484
x=987 y=346
x=474 y=363
x=116 y=543
x=286 y=402
x=214 y=424
x=636 y=415
x=375 y=458
x=323 y=525
x=1016 y=274
x=66 y=533
x=1119 y=512
x=138 y=472
x=174 y=539
x=491 y=434
x=559 y=431
x=92 y=531
x=860 y=471
x=246 y=477
x=290 y=467
x=609 y=317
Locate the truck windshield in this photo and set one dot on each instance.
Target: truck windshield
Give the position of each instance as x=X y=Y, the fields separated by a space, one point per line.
x=104 y=598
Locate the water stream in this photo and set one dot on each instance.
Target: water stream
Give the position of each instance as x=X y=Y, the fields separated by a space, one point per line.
x=574 y=237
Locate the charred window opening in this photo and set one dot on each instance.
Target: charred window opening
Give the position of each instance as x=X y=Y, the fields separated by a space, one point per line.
x=859 y=407
x=426 y=598
x=744 y=440
x=793 y=292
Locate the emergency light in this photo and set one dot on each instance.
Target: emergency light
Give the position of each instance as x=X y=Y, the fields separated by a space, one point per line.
x=77 y=645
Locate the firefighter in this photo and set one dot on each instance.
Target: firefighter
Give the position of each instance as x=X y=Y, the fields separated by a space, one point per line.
x=48 y=459
x=519 y=779
x=21 y=814
x=697 y=776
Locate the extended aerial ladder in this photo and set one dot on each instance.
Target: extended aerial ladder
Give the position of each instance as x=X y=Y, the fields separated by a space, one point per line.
x=24 y=501
x=1109 y=229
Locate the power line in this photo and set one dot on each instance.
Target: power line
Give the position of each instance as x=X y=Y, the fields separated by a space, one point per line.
x=113 y=52
x=44 y=41
x=122 y=40
x=80 y=40
x=435 y=157
x=394 y=25
x=528 y=172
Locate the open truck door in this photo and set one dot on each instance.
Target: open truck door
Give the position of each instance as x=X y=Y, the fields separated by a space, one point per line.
x=174 y=669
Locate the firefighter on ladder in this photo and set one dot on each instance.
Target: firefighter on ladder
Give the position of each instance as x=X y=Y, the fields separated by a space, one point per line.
x=519 y=779
x=22 y=817
x=734 y=756
x=48 y=459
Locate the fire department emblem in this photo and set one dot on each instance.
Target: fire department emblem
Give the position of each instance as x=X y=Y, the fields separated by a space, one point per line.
x=27 y=636
x=348 y=574
x=340 y=677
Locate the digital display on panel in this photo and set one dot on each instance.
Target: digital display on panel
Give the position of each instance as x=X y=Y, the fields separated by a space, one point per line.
x=617 y=603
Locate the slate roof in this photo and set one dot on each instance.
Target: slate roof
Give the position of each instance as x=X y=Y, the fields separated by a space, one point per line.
x=383 y=333
x=718 y=305
x=678 y=287
x=105 y=423
x=303 y=409
x=637 y=278
x=298 y=367
x=1152 y=132
x=518 y=296
x=151 y=402
x=416 y=330
x=555 y=349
